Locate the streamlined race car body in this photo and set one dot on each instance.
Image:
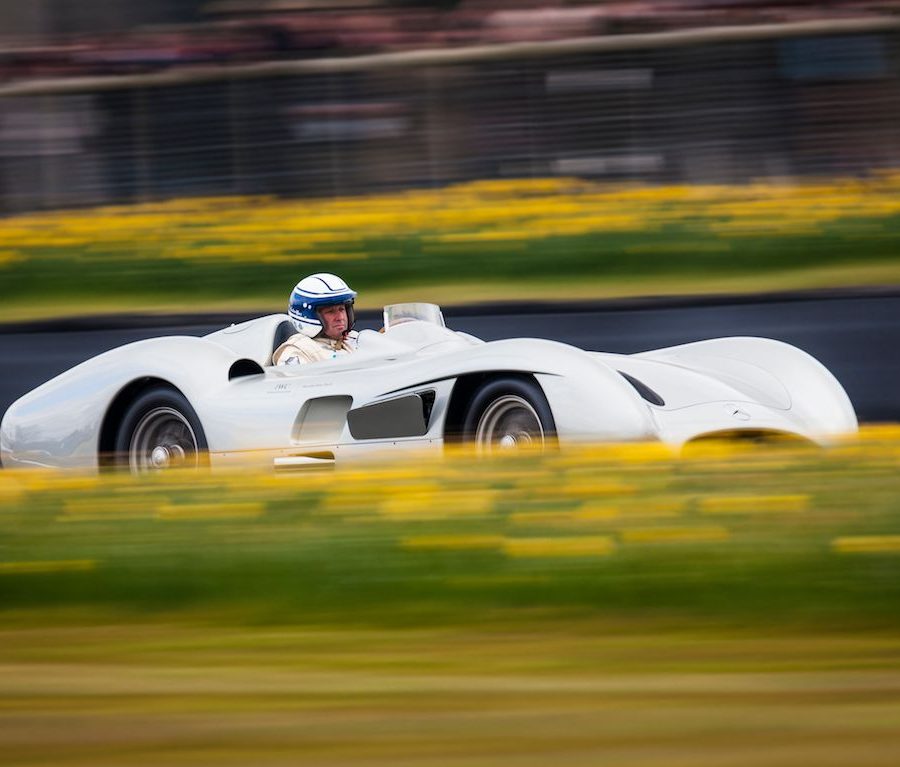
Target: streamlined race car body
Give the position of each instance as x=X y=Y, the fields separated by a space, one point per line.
x=183 y=400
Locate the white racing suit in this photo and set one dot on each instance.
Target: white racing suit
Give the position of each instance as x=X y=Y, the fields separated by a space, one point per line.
x=300 y=349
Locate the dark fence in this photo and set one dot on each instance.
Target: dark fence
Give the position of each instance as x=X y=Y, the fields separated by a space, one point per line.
x=726 y=105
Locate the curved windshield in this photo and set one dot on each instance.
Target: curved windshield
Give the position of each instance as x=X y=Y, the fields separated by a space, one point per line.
x=397 y=314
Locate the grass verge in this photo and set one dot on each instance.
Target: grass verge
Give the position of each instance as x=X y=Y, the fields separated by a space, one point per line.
x=611 y=604
x=804 y=538
x=540 y=238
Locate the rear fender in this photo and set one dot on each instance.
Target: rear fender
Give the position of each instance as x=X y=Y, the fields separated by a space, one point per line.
x=59 y=423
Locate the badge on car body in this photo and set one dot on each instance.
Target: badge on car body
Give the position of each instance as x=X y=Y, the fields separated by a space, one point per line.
x=736 y=412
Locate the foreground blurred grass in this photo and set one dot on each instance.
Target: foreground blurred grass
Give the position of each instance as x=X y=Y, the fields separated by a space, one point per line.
x=605 y=605
x=490 y=240
x=799 y=537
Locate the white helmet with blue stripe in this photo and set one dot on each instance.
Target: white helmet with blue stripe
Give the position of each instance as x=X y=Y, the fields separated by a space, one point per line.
x=312 y=294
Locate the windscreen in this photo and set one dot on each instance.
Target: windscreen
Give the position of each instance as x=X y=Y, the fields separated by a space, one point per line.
x=397 y=314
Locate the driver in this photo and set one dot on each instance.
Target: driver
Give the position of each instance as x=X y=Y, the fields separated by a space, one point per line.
x=321 y=309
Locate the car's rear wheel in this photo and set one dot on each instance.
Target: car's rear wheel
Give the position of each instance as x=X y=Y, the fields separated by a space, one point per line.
x=508 y=414
x=159 y=431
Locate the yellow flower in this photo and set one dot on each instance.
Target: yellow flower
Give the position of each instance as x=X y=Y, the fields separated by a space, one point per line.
x=576 y=546
x=511 y=212
x=867 y=544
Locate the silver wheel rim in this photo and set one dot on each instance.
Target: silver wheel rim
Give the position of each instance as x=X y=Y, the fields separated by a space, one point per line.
x=163 y=439
x=509 y=423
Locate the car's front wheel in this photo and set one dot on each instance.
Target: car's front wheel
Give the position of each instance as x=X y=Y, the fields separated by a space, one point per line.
x=160 y=430
x=508 y=414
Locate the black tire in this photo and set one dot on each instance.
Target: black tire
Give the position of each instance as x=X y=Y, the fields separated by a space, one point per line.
x=508 y=413
x=160 y=430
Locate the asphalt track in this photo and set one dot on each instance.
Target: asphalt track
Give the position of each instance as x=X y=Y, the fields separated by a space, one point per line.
x=855 y=334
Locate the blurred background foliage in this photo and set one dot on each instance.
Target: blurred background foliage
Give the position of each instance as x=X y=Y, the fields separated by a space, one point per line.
x=540 y=238
x=206 y=155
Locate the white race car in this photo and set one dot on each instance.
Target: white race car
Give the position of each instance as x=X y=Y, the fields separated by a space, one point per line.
x=184 y=400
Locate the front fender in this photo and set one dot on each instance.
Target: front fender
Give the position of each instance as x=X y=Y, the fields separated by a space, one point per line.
x=815 y=397
x=589 y=399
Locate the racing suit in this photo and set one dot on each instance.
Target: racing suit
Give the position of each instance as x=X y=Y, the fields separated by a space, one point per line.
x=300 y=349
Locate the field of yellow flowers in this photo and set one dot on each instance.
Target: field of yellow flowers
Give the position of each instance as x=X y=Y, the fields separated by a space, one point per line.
x=725 y=606
x=793 y=535
x=489 y=239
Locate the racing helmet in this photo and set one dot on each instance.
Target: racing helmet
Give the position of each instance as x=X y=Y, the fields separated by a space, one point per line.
x=314 y=293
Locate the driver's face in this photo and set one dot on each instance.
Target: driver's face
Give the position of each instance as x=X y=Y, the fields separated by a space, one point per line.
x=334 y=321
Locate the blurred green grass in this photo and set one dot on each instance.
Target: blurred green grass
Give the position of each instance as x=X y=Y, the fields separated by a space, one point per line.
x=114 y=696
x=549 y=268
x=611 y=604
x=543 y=239
x=612 y=533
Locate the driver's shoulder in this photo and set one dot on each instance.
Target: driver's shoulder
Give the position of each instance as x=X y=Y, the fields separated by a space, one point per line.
x=301 y=341
x=296 y=344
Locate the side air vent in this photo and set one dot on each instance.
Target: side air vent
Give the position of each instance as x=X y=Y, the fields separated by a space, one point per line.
x=243 y=368
x=645 y=391
x=406 y=416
